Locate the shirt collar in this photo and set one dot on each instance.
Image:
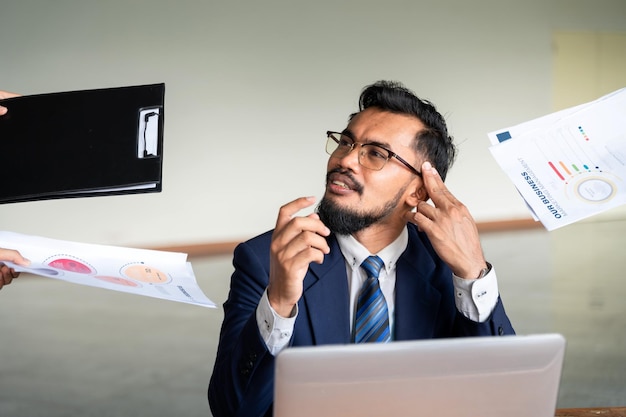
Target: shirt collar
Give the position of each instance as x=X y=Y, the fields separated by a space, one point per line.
x=355 y=253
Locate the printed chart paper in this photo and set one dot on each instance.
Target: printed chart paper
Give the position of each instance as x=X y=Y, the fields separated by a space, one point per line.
x=158 y=274
x=568 y=165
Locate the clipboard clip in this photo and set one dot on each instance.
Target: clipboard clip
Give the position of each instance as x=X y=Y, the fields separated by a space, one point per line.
x=148 y=132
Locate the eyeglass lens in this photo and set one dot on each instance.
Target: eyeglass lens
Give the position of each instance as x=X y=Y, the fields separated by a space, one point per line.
x=370 y=156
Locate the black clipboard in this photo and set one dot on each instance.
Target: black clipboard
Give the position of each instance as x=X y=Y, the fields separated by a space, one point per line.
x=82 y=143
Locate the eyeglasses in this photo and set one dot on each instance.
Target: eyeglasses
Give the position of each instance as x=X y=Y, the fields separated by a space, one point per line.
x=371 y=156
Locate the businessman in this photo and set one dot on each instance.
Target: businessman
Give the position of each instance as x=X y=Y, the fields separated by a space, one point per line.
x=389 y=254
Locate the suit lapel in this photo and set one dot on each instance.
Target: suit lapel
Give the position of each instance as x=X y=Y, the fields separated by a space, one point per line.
x=326 y=298
x=417 y=300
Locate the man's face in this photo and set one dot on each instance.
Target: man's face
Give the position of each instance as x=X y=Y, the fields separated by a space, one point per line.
x=357 y=197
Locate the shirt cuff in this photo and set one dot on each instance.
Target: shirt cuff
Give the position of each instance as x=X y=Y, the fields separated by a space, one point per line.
x=476 y=298
x=275 y=330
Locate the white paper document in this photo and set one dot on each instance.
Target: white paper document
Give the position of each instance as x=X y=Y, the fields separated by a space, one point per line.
x=151 y=273
x=568 y=165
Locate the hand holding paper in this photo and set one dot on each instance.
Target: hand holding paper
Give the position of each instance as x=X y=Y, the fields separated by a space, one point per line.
x=165 y=275
x=8 y=274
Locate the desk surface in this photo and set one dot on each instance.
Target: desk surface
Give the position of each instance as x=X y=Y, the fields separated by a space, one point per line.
x=591 y=412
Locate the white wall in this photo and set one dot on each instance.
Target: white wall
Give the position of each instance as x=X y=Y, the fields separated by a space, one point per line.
x=251 y=87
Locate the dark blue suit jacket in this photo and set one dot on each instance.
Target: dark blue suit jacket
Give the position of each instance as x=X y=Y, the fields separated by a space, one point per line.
x=243 y=376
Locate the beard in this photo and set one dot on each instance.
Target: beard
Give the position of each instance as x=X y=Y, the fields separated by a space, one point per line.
x=346 y=221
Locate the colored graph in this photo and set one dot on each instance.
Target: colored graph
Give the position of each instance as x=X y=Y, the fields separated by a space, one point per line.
x=577 y=168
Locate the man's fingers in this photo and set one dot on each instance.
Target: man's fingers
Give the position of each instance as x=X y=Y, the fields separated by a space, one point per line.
x=292 y=244
x=426 y=210
x=423 y=217
x=287 y=212
x=297 y=226
x=435 y=187
x=295 y=234
x=297 y=241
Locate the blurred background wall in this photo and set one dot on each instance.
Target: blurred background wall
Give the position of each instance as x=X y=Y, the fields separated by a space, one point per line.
x=251 y=87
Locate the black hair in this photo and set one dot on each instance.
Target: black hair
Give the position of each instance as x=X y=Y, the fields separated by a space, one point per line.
x=433 y=142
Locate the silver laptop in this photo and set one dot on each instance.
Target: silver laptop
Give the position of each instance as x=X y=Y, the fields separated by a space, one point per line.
x=512 y=376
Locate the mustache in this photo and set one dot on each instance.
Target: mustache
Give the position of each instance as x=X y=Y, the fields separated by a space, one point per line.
x=354 y=184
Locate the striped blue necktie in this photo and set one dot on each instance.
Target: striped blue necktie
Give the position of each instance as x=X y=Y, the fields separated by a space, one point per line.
x=372 y=316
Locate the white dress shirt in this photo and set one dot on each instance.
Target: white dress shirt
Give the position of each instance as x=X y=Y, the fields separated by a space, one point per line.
x=475 y=298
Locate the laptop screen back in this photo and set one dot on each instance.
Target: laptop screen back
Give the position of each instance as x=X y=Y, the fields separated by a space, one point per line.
x=513 y=376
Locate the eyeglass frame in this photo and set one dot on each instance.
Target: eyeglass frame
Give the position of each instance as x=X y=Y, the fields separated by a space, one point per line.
x=392 y=154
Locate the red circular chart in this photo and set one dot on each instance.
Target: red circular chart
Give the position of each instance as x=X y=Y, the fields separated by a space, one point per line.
x=71 y=265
